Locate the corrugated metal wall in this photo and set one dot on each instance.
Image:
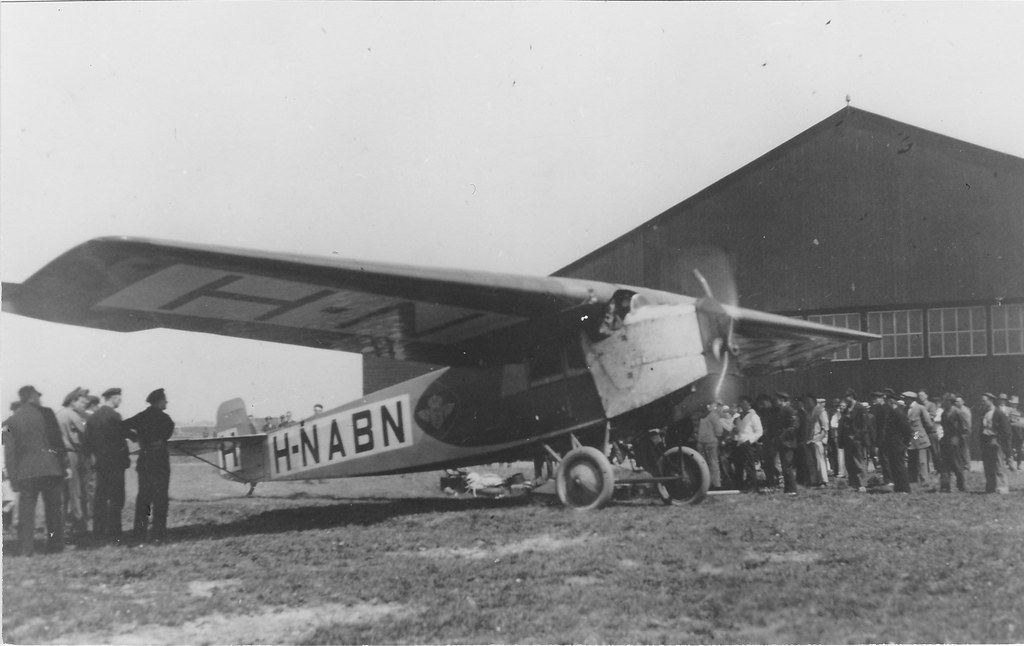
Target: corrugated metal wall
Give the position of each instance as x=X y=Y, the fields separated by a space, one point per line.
x=858 y=212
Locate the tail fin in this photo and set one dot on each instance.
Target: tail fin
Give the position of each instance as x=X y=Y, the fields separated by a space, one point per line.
x=239 y=461
x=232 y=415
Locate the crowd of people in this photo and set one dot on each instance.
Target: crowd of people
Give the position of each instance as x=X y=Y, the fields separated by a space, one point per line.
x=902 y=437
x=75 y=460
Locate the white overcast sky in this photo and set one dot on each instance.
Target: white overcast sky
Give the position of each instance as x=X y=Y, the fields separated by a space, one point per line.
x=508 y=137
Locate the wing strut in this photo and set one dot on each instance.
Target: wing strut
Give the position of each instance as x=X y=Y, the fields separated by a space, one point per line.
x=252 y=485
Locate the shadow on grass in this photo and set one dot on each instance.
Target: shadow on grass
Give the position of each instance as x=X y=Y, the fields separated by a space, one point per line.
x=355 y=512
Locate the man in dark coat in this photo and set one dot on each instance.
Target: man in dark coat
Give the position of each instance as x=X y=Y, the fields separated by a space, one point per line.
x=954 y=433
x=995 y=427
x=154 y=428
x=36 y=464
x=855 y=431
x=786 y=429
x=106 y=436
x=894 y=435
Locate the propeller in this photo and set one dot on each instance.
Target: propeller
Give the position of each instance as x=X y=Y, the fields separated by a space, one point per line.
x=722 y=345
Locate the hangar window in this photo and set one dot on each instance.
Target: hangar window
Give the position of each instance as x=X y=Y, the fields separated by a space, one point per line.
x=1008 y=329
x=902 y=334
x=957 y=332
x=851 y=352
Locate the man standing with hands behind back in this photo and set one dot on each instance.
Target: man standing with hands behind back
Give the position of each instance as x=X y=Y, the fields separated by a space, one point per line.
x=154 y=428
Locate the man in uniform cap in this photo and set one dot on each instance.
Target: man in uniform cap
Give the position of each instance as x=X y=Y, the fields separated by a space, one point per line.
x=77 y=489
x=154 y=428
x=106 y=435
x=36 y=463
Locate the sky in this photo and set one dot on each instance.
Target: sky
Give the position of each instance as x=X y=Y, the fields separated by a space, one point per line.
x=511 y=137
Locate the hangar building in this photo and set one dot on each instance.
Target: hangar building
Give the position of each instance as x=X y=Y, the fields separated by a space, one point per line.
x=863 y=222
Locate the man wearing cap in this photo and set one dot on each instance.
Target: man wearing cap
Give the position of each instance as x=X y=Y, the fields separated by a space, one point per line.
x=154 y=428
x=921 y=425
x=36 y=464
x=894 y=436
x=71 y=419
x=1016 y=428
x=855 y=432
x=106 y=435
x=994 y=426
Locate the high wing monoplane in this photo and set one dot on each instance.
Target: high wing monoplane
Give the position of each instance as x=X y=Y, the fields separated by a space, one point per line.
x=526 y=366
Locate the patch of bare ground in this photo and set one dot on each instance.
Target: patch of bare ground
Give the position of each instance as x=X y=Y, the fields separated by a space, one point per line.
x=268 y=625
x=543 y=543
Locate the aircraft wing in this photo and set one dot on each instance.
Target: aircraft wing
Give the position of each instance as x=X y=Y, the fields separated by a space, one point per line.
x=770 y=343
x=399 y=312
x=390 y=311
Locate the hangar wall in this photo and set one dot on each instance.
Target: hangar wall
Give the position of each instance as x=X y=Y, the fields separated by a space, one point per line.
x=866 y=222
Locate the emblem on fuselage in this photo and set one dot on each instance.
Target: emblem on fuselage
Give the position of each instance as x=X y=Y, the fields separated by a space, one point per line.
x=436 y=410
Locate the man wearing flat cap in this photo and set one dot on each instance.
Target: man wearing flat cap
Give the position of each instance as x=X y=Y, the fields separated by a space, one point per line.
x=71 y=419
x=37 y=465
x=154 y=428
x=107 y=438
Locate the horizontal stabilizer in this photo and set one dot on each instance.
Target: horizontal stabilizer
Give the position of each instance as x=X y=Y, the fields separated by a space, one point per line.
x=189 y=446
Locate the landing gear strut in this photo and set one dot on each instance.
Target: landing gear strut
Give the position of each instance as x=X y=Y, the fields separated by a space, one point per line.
x=585 y=480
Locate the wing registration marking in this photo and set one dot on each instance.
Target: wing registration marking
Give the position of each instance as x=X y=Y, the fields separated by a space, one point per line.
x=202 y=292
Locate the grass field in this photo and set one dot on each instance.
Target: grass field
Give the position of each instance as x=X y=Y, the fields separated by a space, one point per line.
x=394 y=560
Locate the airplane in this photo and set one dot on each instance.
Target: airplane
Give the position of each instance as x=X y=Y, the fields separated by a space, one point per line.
x=526 y=366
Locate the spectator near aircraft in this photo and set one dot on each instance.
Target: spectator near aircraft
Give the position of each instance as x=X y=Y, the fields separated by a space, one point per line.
x=785 y=431
x=80 y=485
x=747 y=431
x=153 y=427
x=817 y=424
x=954 y=433
x=710 y=430
x=1016 y=429
x=995 y=426
x=1006 y=439
x=855 y=431
x=37 y=465
x=894 y=435
x=921 y=426
x=106 y=436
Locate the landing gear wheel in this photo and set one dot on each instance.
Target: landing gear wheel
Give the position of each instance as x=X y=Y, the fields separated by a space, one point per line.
x=691 y=471
x=584 y=479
